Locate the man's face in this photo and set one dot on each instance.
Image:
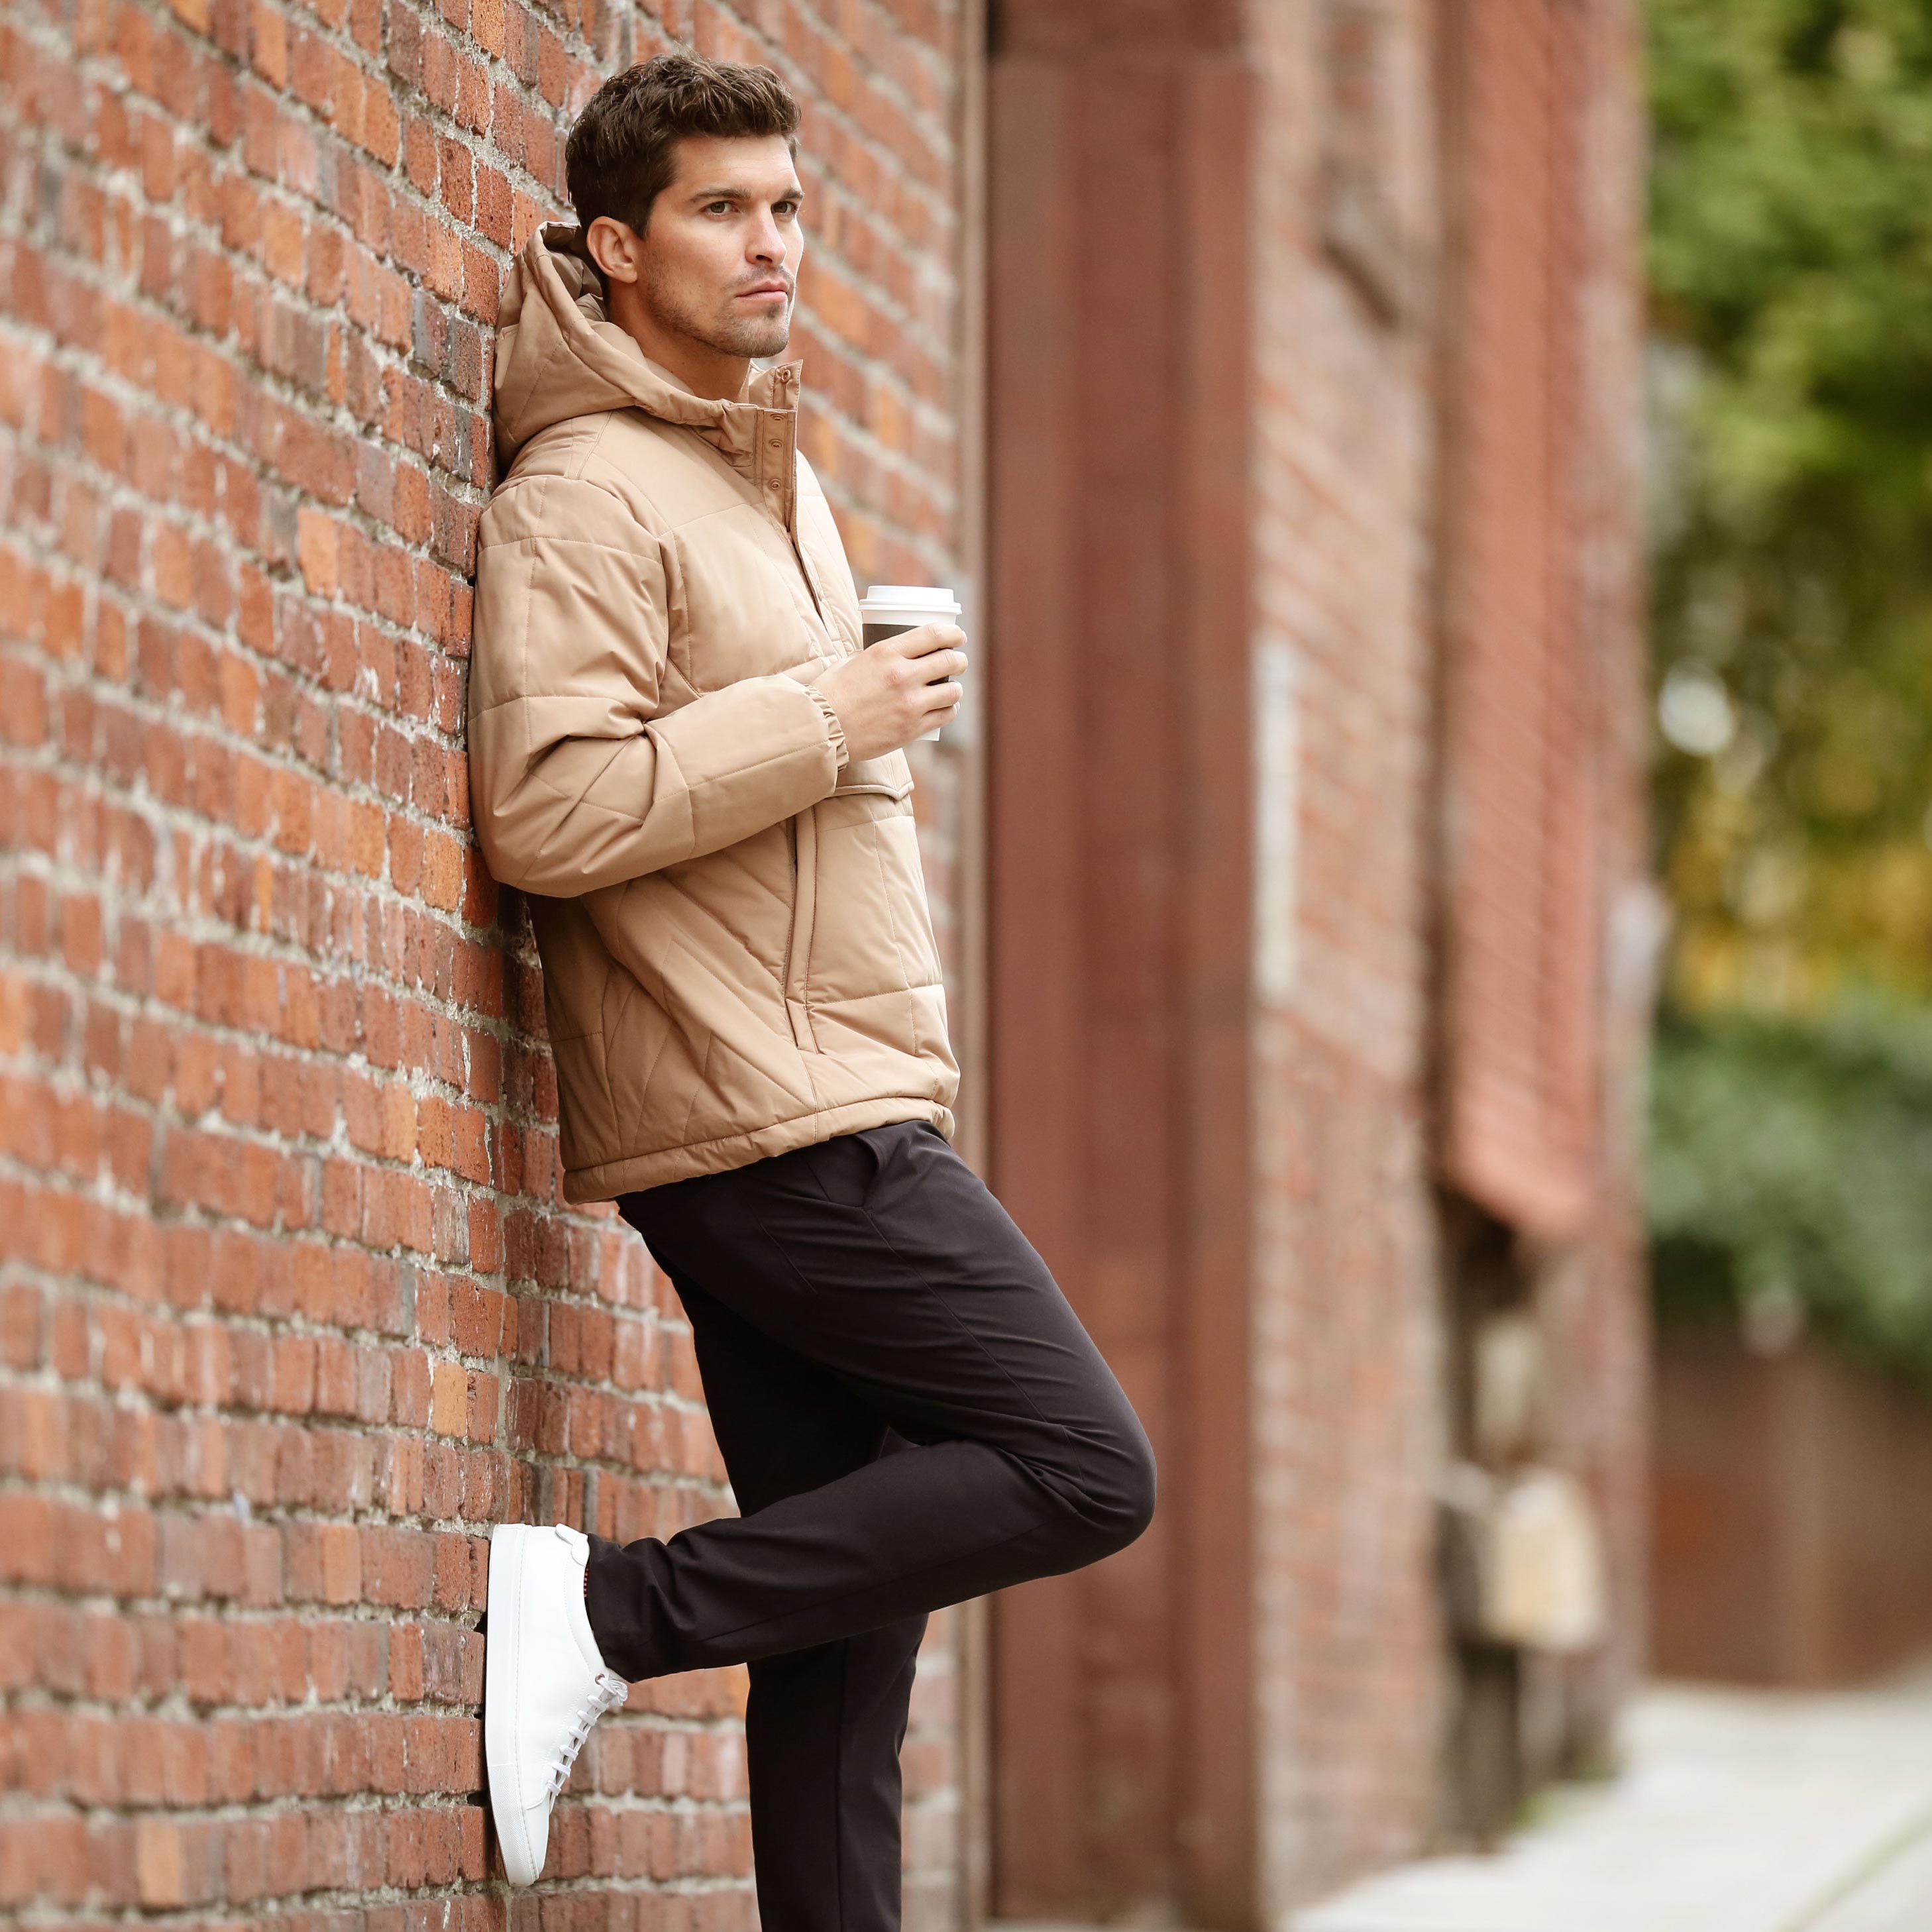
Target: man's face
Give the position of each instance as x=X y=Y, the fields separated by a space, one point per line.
x=721 y=247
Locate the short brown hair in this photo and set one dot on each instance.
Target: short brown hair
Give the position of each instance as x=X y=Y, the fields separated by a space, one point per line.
x=621 y=152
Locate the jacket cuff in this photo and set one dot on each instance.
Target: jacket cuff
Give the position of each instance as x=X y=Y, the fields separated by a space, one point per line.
x=834 y=730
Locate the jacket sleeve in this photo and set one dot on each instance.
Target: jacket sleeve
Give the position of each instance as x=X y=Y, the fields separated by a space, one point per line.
x=576 y=783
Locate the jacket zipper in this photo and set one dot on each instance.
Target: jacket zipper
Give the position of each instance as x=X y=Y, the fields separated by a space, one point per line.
x=784 y=477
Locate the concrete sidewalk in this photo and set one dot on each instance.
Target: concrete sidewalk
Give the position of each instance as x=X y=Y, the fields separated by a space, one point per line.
x=1737 y=1811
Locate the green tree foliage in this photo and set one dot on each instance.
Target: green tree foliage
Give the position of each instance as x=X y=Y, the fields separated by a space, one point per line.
x=1791 y=272
x=1791 y=1176
x=1791 y=277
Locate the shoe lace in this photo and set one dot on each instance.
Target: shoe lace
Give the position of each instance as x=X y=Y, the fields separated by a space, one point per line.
x=606 y=1693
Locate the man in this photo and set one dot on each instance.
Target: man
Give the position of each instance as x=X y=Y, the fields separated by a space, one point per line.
x=680 y=751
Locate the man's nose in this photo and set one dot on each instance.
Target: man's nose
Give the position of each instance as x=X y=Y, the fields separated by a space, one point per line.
x=767 y=243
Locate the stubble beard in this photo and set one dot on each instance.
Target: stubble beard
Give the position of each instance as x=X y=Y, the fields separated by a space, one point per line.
x=729 y=333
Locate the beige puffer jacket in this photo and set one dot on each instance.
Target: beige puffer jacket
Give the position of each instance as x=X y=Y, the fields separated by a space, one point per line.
x=738 y=958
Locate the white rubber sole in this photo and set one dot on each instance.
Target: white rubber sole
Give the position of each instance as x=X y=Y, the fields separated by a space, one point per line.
x=522 y=1859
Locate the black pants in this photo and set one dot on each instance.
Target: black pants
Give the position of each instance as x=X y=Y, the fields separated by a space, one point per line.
x=911 y=1415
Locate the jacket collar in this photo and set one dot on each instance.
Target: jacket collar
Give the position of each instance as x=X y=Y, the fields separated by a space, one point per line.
x=558 y=355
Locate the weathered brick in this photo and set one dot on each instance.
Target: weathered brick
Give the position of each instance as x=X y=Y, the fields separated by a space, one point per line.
x=282 y=1201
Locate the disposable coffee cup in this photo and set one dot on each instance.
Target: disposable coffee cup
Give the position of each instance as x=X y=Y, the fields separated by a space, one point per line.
x=888 y=609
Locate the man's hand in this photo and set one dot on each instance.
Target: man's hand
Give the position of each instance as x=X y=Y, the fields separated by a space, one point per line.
x=886 y=696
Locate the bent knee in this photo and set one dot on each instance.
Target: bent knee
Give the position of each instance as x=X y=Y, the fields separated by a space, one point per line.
x=1117 y=1499
x=1134 y=1506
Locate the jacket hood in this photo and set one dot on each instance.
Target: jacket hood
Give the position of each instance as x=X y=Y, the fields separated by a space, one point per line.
x=559 y=356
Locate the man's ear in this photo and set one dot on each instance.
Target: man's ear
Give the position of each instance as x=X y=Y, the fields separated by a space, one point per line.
x=615 y=248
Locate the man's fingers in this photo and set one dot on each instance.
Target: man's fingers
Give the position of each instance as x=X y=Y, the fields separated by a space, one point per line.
x=940 y=697
x=933 y=666
x=918 y=673
x=927 y=638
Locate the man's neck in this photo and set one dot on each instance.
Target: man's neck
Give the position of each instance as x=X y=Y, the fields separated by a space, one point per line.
x=703 y=370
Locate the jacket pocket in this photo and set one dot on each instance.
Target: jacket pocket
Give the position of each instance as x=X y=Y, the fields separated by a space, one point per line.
x=804 y=914
x=888 y=777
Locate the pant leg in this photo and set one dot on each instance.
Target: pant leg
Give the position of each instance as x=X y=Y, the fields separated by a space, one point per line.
x=881 y=1258
x=823 y=1725
x=822 y=1730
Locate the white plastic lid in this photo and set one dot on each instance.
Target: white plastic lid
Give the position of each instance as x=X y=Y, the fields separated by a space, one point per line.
x=932 y=599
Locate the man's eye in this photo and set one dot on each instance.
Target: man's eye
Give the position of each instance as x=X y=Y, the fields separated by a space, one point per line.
x=718 y=207
x=788 y=209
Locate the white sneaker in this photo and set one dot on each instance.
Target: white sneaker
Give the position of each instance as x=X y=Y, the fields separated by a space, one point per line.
x=545 y=1683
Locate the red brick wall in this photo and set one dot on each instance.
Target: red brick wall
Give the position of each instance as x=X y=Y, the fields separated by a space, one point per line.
x=1447 y=357
x=290 y=1311
x=1117 y=829
x=1523 y=904
x=1228 y=417
x=1547 y=919
x=1347 y=1293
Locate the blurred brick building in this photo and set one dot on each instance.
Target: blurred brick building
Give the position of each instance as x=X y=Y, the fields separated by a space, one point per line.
x=1266 y=375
